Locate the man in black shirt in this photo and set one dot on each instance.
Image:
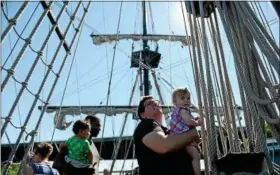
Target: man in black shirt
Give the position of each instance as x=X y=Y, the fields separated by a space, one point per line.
x=157 y=152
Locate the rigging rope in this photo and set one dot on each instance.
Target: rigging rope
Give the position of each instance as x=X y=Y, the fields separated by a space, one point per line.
x=15 y=85
x=263 y=18
x=66 y=83
x=24 y=86
x=197 y=81
x=19 y=35
x=26 y=44
x=55 y=82
x=110 y=80
x=115 y=154
x=25 y=83
x=260 y=142
x=13 y=21
x=254 y=81
x=224 y=82
x=210 y=91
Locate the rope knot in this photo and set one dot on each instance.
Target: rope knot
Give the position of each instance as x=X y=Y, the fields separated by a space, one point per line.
x=50 y=66
x=72 y=17
x=77 y=30
x=23 y=128
x=10 y=71
x=57 y=75
x=8 y=119
x=13 y=21
x=24 y=83
x=37 y=95
x=40 y=53
x=86 y=10
x=10 y=162
x=28 y=40
x=7 y=163
x=32 y=133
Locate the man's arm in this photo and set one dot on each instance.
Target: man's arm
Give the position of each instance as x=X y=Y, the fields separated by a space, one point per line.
x=62 y=147
x=161 y=143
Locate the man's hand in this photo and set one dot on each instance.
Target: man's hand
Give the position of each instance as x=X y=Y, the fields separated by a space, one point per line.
x=161 y=143
x=63 y=148
x=194 y=143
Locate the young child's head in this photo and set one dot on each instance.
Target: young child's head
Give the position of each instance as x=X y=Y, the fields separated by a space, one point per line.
x=181 y=97
x=42 y=152
x=81 y=129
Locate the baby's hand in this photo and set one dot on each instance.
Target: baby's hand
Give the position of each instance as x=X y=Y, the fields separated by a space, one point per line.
x=195 y=108
x=199 y=121
x=196 y=118
x=197 y=140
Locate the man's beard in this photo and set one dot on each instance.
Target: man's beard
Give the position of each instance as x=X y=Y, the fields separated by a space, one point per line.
x=94 y=133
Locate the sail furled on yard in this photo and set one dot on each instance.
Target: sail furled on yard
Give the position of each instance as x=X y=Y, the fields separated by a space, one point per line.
x=100 y=39
x=62 y=111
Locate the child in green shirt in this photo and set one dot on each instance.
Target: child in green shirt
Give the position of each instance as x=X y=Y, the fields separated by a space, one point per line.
x=79 y=152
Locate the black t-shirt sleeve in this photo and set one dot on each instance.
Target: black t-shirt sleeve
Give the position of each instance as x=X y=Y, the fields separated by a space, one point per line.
x=146 y=126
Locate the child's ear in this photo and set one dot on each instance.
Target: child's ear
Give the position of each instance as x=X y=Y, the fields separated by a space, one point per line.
x=173 y=100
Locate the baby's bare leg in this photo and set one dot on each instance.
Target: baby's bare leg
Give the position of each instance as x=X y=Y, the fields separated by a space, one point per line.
x=192 y=150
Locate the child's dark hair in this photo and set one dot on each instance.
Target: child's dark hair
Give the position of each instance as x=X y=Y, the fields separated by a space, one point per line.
x=44 y=150
x=80 y=125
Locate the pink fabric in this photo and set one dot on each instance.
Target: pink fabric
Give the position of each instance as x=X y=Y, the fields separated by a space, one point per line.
x=177 y=124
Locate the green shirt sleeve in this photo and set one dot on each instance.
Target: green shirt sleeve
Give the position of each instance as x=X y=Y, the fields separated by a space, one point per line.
x=87 y=146
x=68 y=141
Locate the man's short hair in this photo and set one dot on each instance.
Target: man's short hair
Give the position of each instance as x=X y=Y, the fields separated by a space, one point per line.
x=141 y=107
x=44 y=150
x=92 y=118
x=80 y=125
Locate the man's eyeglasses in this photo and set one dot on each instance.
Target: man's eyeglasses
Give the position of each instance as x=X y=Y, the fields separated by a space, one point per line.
x=152 y=102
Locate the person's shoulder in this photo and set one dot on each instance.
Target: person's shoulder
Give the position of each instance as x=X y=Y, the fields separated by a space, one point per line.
x=146 y=126
x=85 y=141
x=147 y=123
x=31 y=165
x=150 y=122
x=55 y=171
x=42 y=167
x=70 y=139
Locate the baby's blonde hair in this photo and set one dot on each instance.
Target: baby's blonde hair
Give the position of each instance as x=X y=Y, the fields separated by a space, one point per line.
x=179 y=92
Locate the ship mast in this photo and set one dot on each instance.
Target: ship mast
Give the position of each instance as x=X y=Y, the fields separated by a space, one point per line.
x=145 y=48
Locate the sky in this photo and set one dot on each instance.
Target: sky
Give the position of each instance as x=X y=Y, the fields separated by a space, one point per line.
x=89 y=76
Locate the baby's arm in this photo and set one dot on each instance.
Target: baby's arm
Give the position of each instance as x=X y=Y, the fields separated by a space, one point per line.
x=90 y=157
x=88 y=152
x=187 y=118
